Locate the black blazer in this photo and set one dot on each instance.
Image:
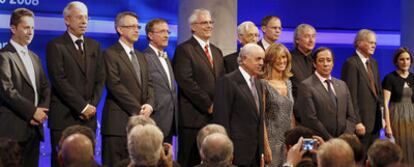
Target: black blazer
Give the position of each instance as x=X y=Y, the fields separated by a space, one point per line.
x=196 y=81
x=319 y=113
x=17 y=96
x=230 y=62
x=260 y=43
x=73 y=85
x=125 y=94
x=367 y=106
x=235 y=109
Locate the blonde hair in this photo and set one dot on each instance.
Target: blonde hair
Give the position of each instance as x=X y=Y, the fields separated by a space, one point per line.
x=272 y=53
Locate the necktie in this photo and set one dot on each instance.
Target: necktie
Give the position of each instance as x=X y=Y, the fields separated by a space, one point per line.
x=330 y=92
x=79 y=43
x=210 y=59
x=254 y=92
x=371 y=77
x=136 y=66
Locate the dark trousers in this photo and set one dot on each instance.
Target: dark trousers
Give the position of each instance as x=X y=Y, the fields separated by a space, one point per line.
x=188 y=154
x=30 y=150
x=54 y=140
x=114 y=149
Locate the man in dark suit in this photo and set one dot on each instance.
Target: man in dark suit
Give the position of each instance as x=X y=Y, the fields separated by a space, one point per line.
x=325 y=102
x=129 y=88
x=360 y=72
x=302 y=66
x=271 y=28
x=238 y=106
x=160 y=70
x=197 y=65
x=24 y=92
x=247 y=33
x=77 y=75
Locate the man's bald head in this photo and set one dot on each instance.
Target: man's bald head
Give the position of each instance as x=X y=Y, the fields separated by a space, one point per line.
x=76 y=147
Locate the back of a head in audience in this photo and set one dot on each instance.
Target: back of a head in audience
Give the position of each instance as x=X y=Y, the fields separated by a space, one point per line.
x=356 y=146
x=75 y=148
x=138 y=120
x=208 y=130
x=383 y=153
x=292 y=136
x=78 y=129
x=217 y=150
x=9 y=153
x=335 y=153
x=145 y=144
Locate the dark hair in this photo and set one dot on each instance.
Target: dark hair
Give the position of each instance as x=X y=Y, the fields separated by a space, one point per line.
x=120 y=16
x=266 y=19
x=398 y=53
x=321 y=49
x=384 y=153
x=9 y=153
x=150 y=25
x=292 y=136
x=356 y=146
x=16 y=16
x=78 y=129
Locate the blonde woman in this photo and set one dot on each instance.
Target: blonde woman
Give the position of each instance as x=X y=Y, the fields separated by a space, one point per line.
x=279 y=100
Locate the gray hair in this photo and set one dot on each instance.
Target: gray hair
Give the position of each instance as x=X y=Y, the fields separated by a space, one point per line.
x=217 y=150
x=362 y=35
x=145 y=145
x=335 y=152
x=299 y=31
x=243 y=27
x=247 y=50
x=138 y=120
x=196 y=13
x=208 y=130
x=74 y=4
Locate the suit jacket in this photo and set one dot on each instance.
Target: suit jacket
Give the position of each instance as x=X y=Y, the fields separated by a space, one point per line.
x=235 y=109
x=367 y=106
x=166 y=105
x=230 y=62
x=319 y=113
x=125 y=94
x=260 y=43
x=73 y=85
x=196 y=81
x=17 y=96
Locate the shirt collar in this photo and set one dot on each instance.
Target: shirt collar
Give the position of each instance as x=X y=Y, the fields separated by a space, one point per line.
x=265 y=43
x=155 y=50
x=362 y=57
x=74 y=38
x=19 y=48
x=201 y=42
x=126 y=47
x=245 y=75
x=322 y=79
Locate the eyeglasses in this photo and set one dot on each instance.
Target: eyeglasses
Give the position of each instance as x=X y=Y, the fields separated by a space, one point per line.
x=205 y=23
x=162 y=32
x=132 y=27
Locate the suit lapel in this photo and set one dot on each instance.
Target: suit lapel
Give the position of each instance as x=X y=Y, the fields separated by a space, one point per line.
x=127 y=62
x=201 y=53
x=362 y=69
x=246 y=92
x=159 y=66
x=74 y=52
x=37 y=69
x=15 y=57
x=318 y=85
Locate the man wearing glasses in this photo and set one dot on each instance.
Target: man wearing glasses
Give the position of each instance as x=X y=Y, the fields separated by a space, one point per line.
x=197 y=64
x=160 y=70
x=77 y=74
x=129 y=89
x=271 y=28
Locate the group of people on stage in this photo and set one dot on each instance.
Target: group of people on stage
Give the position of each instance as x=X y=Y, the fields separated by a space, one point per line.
x=243 y=109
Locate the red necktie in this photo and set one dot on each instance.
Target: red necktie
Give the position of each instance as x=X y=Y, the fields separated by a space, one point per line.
x=210 y=59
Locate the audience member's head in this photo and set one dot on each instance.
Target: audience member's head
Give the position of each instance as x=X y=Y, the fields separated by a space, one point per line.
x=292 y=136
x=384 y=153
x=335 y=153
x=75 y=148
x=208 y=130
x=145 y=145
x=138 y=120
x=9 y=153
x=356 y=146
x=78 y=129
x=217 y=150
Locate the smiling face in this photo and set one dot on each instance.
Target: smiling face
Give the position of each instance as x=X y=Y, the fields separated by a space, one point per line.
x=324 y=63
x=24 y=31
x=203 y=26
x=252 y=59
x=306 y=40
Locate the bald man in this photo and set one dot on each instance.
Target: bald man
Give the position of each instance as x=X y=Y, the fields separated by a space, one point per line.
x=76 y=148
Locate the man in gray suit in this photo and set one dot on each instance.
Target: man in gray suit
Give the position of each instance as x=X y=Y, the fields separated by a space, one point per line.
x=160 y=70
x=325 y=102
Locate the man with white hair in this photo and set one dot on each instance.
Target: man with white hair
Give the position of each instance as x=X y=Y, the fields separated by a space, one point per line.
x=335 y=153
x=76 y=72
x=197 y=65
x=216 y=151
x=238 y=106
x=247 y=32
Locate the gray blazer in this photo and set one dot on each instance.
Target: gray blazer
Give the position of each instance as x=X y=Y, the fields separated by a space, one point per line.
x=318 y=111
x=166 y=105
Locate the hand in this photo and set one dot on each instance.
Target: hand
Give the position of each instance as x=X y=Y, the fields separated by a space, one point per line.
x=40 y=115
x=146 y=110
x=89 y=112
x=210 y=109
x=267 y=153
x=360 y=129
x=319 y=141
x=166 y=158
x=34 y=122
x=295 y=153
x=262 y=161
x=388 y=131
